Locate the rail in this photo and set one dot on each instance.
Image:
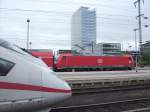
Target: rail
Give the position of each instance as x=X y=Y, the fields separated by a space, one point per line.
x=110 y=89
x=139 y=110
x=117 y=106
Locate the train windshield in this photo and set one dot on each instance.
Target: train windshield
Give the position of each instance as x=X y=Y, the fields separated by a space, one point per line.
x=9 y=46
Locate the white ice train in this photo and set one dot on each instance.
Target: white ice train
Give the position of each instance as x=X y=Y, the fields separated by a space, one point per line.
x=26 y=83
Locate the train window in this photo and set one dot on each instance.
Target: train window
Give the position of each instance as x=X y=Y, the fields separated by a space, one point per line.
x=5 y=67
x=129 y=58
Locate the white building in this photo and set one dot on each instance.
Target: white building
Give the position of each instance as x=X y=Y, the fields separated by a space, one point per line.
x=111 y=48
x=83 y=28
x=102 y=49
x=83 y=35
x=95 y=49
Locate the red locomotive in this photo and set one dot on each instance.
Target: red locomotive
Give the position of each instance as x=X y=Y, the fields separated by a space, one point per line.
x=70 y=62
x=81 y=63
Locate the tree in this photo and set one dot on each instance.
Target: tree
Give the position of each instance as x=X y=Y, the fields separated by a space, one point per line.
x=145 y=59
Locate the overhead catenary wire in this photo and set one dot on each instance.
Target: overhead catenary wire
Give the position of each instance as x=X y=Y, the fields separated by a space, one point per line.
x=62 y=22
x=64 y=14
x=49 y=12
x=47 y=20
x=99 y=3
x=109 y=22
x=55 y=12
x=83 y=3
x=36 y=10
x=69 y=13
x=5 y=11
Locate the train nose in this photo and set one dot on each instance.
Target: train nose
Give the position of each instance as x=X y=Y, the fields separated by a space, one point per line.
x=64 y=93
x=60 y=90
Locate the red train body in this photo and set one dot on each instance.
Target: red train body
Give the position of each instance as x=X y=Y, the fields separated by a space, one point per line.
x=46 y=56
x=72 y=62
x=69 y=62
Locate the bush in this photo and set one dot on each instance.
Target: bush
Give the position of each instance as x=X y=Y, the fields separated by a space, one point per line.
x=145 y=59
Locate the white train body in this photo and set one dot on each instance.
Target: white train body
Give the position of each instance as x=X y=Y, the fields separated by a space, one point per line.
x=26 y=83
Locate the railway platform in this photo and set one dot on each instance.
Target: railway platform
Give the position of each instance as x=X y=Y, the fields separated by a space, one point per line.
x=91 y=80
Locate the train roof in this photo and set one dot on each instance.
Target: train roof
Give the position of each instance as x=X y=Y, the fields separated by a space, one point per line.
x=12 y=47
x=42 y=53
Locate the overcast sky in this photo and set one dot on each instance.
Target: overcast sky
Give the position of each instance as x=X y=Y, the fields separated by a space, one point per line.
x=50 y=21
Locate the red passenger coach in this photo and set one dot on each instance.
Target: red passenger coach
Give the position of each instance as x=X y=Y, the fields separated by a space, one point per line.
x=45 y=55
x=79 y=63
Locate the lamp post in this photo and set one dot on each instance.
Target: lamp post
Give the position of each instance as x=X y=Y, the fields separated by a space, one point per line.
x=30 y=44
x=135 y=49
x=28 y=22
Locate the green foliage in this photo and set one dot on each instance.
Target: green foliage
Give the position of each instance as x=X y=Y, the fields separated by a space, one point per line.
x=145 y=59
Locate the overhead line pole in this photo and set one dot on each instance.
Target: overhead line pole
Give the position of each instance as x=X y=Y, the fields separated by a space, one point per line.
x=136 y=50
x=139 y=22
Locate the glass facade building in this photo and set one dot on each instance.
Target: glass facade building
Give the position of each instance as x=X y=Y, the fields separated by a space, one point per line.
x=83 y=28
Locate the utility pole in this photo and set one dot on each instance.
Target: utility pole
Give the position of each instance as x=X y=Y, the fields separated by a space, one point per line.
x=139 y=21
x=30 y=44
x=136 y=58
x=28 y=21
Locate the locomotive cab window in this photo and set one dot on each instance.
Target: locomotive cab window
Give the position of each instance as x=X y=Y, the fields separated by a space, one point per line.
x=129 y=58
x=5 y=67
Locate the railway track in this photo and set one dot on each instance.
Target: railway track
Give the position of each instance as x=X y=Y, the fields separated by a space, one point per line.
x=139 y=110
x=134 y=105
x=110 y=89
